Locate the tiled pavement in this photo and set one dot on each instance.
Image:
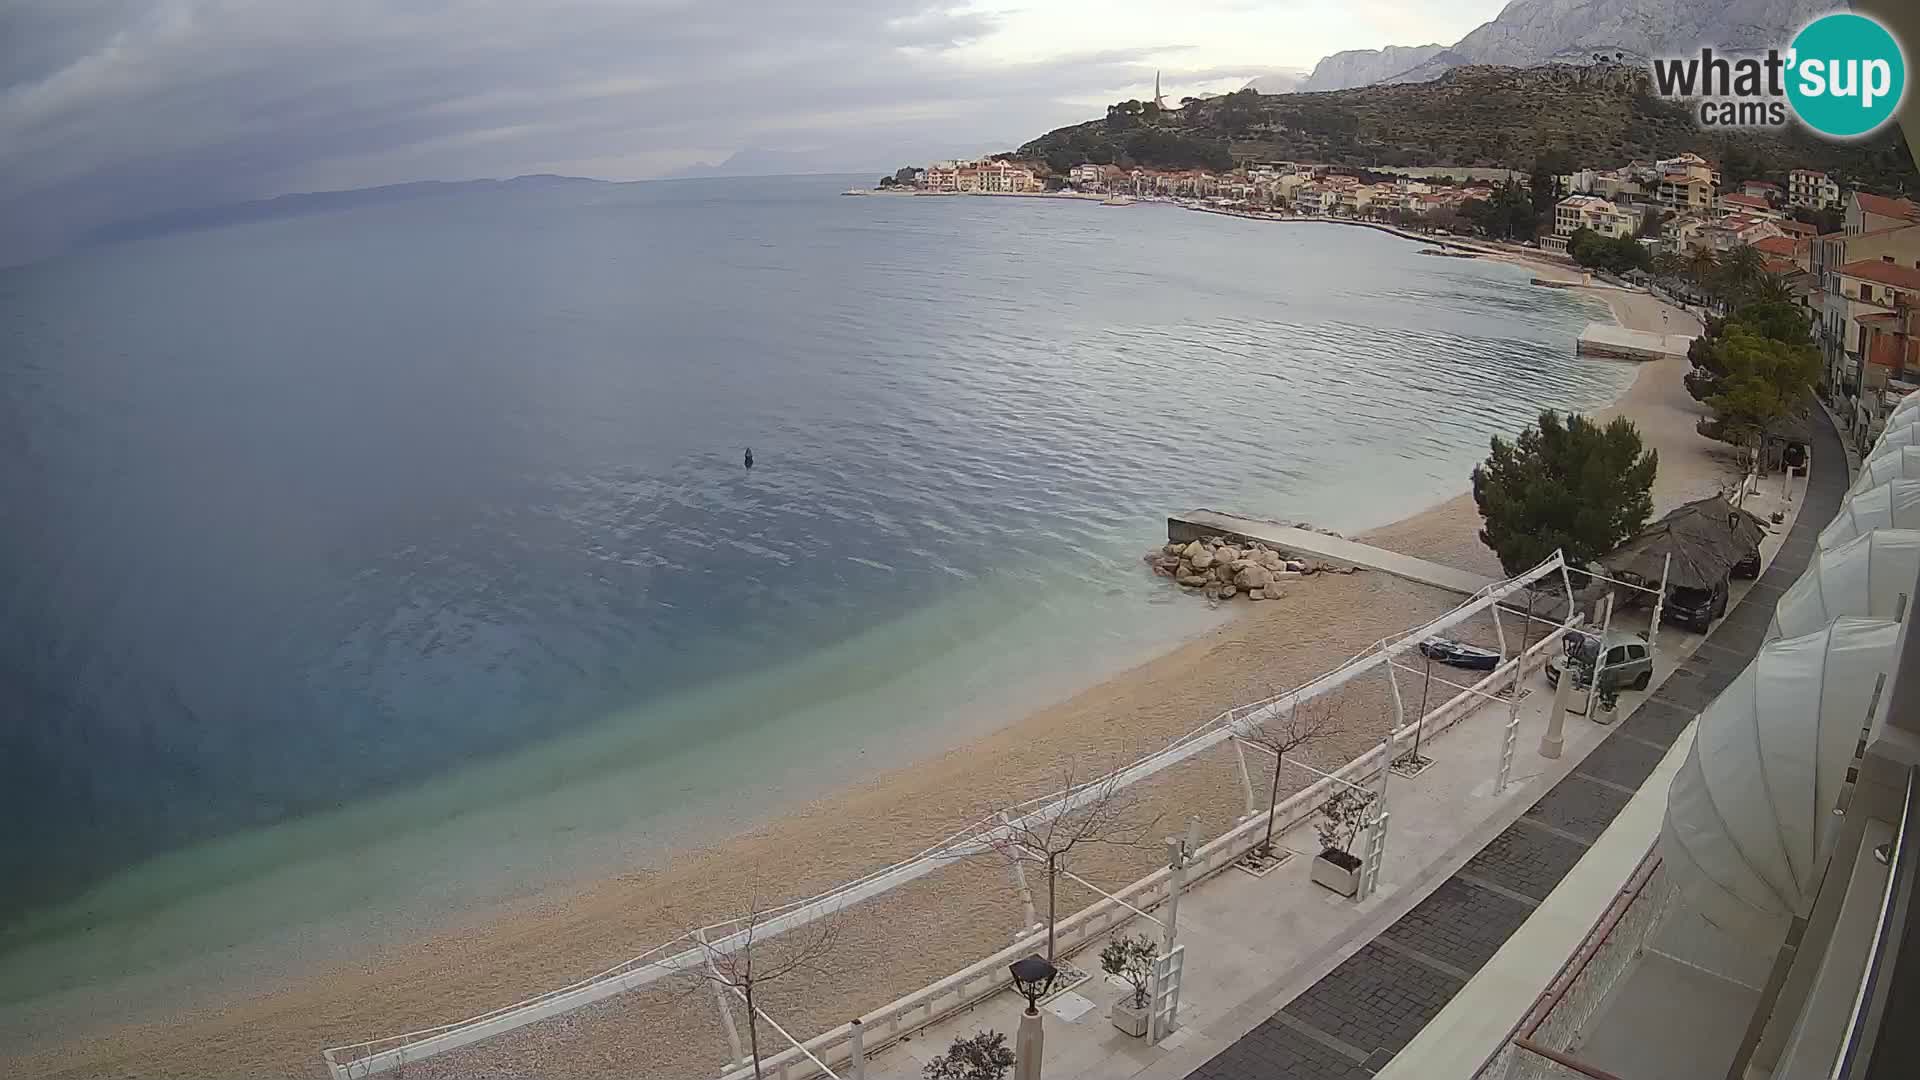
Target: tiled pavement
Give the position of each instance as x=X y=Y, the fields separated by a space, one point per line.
x=1352 y=1022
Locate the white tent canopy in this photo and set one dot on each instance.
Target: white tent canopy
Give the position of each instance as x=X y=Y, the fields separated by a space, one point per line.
x=1893 y=505
x=1889 y=463
x=1906 y=412
x=1902 y=432
x=1748 y=827
x=1865 y=576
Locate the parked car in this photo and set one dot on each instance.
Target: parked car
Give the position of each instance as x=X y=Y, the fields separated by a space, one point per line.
x=1748 y=568
x=1629 y=661
x=1695 y=609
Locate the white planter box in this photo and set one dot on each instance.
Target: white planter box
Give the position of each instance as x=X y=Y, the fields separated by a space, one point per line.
x=1129 y=1019
x=1339 y=879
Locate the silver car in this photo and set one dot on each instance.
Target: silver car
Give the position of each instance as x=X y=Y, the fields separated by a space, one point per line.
x=1629 y=661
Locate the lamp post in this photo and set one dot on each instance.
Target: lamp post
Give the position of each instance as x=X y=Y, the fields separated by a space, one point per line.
x=1032 y=977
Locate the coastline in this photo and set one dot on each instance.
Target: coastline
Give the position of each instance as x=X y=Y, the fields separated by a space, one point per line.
x=484 y=960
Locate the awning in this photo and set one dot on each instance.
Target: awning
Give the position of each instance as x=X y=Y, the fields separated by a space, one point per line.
x=1893 y=505
x=1902 y=432
x=1904 y=413
x=1750 y=814
x=1891 y=463
x=1865 y=576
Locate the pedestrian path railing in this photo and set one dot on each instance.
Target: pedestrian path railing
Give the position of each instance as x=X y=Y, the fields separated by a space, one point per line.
x=1540 y=1047
x=686 y=955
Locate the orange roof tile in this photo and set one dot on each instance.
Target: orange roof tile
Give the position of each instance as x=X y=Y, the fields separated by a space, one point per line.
x=1754 y=201
x=1885 y=207
x=1784 y=246
x=1886 y=273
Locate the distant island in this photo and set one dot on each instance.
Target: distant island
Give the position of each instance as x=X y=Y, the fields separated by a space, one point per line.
x=316 y=202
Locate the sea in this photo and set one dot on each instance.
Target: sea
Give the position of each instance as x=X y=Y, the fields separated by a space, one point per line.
x=362 y=567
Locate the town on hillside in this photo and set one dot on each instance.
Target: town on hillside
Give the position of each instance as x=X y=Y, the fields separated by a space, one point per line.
x=1850 y=259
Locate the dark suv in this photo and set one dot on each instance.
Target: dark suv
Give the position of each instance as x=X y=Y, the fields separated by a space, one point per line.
x=1695 y=609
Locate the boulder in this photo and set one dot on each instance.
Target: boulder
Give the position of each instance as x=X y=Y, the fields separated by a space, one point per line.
x=1222 y=573
x=1272 y=560
x=1194 y=581
x=1257 y=594
x=1225 y=591
x=1252 y=576
x=1229 y=553
x=1199 y=555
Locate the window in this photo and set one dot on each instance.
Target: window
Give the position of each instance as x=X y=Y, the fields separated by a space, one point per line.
x=1636 y=652
x=1617 y=654
x=1866 y=292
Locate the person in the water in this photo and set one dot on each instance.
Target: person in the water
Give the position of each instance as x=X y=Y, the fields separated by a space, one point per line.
x=749 y=457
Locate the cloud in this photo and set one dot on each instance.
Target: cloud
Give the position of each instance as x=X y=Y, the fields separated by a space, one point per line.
x=111 y=109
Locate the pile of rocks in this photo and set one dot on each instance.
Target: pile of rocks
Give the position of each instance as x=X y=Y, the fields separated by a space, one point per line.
x=1223 y=569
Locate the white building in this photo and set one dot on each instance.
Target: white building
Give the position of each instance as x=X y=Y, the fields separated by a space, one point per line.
x=1811 y=187
x=1088 y=176
x=1576 y=212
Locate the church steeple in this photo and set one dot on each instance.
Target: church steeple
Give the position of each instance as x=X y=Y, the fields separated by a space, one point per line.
x=1158 y=101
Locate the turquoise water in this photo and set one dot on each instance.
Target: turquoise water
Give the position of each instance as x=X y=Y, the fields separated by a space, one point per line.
x=366 y=566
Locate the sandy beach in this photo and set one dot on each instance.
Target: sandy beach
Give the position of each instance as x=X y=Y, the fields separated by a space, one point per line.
x=917 y=933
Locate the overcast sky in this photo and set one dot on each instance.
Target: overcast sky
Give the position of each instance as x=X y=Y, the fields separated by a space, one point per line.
x=114 y=108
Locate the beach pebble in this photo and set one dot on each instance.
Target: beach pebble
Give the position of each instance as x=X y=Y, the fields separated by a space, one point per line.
x=1257 y=594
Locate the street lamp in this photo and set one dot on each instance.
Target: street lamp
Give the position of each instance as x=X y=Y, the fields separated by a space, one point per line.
x=1032 y=976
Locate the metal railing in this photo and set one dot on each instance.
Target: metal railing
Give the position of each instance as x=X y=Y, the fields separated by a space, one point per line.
x=1870 y=1001
x=1538 y=1047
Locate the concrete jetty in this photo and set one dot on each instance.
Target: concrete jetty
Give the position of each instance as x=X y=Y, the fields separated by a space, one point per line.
x=1320 y=547
x=1612 y=342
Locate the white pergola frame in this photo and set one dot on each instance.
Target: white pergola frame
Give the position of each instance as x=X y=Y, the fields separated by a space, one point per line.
x=677 y=957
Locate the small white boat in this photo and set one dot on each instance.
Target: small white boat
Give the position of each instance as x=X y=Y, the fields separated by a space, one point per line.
x=1117 y=200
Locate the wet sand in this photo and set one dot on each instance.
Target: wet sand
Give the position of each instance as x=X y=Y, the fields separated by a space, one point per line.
x=909 y=937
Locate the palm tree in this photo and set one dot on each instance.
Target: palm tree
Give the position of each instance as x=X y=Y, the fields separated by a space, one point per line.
x=1740 y=271
x=1700 y=267
x=1770 y=289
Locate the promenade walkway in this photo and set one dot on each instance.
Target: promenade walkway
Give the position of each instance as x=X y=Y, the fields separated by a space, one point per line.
x=1324 y=548
x=1353 y=1021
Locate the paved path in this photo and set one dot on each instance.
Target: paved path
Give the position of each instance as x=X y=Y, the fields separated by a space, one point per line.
x=1334 y=549
x=1352 y=1022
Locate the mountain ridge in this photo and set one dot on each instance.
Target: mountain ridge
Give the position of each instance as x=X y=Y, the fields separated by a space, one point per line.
x=1531 y=32
x=1594 y=115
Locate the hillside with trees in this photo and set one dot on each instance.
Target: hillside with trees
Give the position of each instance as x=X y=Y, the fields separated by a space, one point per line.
x=1598 y=115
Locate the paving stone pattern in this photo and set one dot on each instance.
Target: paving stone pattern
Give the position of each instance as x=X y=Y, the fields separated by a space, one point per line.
x=1528 y=861
x=1377 y=1000
x=1461 y=923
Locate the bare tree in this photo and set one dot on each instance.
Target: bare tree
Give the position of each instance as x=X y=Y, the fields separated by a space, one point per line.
x=1303 y=724
x=1098 y=812
x=747 y=957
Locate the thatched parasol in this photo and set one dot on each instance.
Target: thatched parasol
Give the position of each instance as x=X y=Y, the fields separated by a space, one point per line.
x=1705 y=538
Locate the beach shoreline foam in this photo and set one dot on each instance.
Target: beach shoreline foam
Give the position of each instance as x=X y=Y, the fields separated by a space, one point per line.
x=482 y=960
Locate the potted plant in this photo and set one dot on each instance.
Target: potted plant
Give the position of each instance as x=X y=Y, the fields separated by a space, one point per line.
x=1342 y=817
x=1131 y=959
x=982 y=1056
